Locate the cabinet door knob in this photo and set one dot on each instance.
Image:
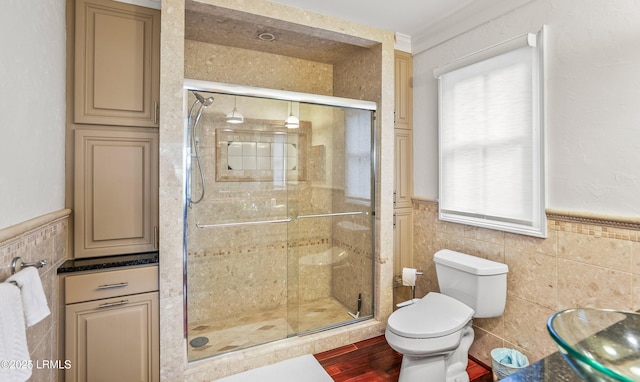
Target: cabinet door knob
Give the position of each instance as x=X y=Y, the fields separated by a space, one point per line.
x=109 y=304
x=111 y=286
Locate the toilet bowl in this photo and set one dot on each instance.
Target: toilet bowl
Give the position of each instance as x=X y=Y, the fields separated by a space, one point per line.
x=435 y=333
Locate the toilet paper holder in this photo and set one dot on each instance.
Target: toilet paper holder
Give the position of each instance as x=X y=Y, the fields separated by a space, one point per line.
x=413 y=287
x=398 y=279
x=412 y=276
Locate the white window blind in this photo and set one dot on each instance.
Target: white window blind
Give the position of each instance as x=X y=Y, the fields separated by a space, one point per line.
x=491 y=138
x=358 y=154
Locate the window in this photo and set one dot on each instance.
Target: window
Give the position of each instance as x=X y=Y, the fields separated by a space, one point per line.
x=358 y=154
x=492 y=138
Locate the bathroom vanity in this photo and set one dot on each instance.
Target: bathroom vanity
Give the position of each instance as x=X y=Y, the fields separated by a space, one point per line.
x=111 y=318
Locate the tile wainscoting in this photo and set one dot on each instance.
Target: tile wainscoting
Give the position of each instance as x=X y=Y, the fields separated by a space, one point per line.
x=587 y=260
x=42 y=238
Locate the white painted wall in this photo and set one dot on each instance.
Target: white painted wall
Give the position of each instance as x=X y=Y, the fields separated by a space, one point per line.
x=593 y=101
x=32 y=109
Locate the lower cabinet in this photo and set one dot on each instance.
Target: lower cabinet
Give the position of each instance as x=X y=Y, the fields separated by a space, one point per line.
x=113 y=339
x=402 y=240
x=402 y=252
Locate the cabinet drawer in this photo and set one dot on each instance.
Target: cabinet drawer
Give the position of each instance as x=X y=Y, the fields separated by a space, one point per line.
x=94 y=286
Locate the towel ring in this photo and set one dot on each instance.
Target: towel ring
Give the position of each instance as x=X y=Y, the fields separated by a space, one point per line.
x=17 y=264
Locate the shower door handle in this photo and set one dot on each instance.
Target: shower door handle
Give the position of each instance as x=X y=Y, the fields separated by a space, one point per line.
x=285 y=220
x=332 y=214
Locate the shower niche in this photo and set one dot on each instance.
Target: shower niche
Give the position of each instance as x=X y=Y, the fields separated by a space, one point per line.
x=278 y=215
x=254 y=155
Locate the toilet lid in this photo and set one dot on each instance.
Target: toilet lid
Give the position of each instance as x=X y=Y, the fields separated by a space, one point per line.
x=434 y=315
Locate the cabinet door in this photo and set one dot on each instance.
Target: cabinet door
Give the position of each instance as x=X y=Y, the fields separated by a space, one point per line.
x=117 y=64
x=402 y=240
x=403 y=171
x=403 y=92
x=116 y=192
x=114 y=339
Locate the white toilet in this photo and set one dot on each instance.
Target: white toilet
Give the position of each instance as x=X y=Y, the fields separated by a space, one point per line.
x=434 y=334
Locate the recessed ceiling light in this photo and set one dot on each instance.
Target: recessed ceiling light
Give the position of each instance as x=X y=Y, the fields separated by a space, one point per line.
x=266 y=36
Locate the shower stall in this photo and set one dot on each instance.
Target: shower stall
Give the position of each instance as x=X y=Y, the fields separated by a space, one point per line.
x=279 y=215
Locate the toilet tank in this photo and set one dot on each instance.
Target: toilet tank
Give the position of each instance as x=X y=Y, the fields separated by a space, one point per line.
x=479 y=283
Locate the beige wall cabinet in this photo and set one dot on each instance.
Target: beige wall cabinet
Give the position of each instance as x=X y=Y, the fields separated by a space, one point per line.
x=403 y=174
x=403 y=239
x=115 y=192
x=116 y=338
x=403 y=168
x=402 y=251
x=117 y=64
x=403 y=91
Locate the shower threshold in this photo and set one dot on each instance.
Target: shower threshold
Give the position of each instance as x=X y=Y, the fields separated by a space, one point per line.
x=257 y=328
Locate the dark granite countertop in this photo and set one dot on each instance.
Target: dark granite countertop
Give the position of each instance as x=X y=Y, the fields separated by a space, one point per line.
x=555 y=368
x=552 y=368
x=107 y=262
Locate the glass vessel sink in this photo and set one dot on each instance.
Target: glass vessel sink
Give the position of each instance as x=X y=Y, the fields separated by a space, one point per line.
x=599 y=344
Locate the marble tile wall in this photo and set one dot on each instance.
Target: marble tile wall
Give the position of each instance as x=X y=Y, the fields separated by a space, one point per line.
x=247 y=67
x=251 y=265
x=357 y=76
x=42 y=238
x=353 y=261
x=264 y=267
x=584 y=262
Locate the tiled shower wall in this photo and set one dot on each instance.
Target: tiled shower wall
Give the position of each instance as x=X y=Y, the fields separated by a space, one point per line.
x=230 y=65
x=267 y=257
x=585 y=261
x=265 y=267
x=42 y=238
x=258 y=267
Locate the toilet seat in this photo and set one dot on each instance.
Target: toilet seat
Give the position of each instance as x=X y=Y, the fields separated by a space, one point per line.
x=435 y=315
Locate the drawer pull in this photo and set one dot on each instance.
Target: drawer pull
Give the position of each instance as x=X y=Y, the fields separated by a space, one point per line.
x=110 y=304
x=111 y=286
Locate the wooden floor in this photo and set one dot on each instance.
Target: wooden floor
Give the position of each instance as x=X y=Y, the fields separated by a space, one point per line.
x=374 y=361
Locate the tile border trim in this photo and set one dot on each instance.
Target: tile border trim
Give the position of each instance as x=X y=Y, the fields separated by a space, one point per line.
x=28 y=226
x=594 y=219
x=570 y=216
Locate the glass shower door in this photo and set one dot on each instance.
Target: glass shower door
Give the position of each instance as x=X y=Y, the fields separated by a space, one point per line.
x=237 y=233
x=330 y=237
x=279 y=229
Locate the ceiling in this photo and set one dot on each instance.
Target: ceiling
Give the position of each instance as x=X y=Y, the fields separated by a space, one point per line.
x=223 y=26
x=408 y=17
x=423 y=23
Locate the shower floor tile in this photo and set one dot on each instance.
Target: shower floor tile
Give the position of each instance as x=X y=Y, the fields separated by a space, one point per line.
x=240 y=332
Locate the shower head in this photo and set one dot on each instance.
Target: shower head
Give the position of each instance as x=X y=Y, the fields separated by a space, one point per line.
x=204 y=101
